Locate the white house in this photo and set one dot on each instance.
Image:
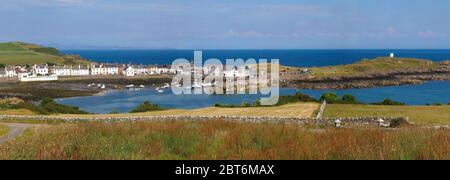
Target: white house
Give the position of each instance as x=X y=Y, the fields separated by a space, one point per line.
x=140 y=70
x=27 y=77
x=108 y=69
x=152 y=70
x=128 y=71
x=40 y=69
x=96 y=70
x=392 y=55
x=61 y=70
x=2 y=73
x=80 y=71
x=163 y=70
x=10 y=71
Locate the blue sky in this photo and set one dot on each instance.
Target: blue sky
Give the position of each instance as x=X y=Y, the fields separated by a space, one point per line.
x=228 y=24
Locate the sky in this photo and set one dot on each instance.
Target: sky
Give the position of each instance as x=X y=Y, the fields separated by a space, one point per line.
x=228 y=24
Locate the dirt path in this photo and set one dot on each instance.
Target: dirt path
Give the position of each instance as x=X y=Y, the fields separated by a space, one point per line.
x=15 y=130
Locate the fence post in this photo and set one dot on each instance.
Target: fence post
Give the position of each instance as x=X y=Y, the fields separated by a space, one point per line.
x=321 y=111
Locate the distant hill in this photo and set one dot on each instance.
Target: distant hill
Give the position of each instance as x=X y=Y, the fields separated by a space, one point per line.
x=20 y=53
x=381 y=65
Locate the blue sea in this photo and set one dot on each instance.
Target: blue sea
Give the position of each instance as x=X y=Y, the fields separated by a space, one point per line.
x=303 y=58
x=124 y=101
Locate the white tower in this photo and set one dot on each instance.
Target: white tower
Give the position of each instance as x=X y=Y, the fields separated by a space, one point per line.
x=392 y=55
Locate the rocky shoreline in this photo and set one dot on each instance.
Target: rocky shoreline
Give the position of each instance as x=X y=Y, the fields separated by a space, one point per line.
x=366 y=81
x=73 y=86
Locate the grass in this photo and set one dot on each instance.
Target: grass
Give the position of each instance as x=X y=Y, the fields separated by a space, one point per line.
x=376 y=66
x=19 y=53
x=290 y=110
x=3 y=130
x=18 y=58
x=11 y=47
x=16 y=112
x=425 y=115
x=223 y=140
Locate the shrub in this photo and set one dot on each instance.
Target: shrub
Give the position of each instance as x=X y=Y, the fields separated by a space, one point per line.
x=48 y=106
x=329 y=97
x=245 y=104
x=436 y=104
x=389 y=102
x=54 y=108
x=257 y=103
x=146 y=107
x=304 y=97
x=51 y=64
x=348 y=98
x=45 y=50
x=115 y=112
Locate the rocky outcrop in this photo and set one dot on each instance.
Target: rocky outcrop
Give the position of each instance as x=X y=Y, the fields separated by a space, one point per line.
x=366 y=81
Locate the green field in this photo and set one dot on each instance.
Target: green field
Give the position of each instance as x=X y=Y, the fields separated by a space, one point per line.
x=426 y=115
x=11 y=47
x=18 y=53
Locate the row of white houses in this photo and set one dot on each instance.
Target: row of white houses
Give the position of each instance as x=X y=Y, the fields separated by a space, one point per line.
x=79 y=70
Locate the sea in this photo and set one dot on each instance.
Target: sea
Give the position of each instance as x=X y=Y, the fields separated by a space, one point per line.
x=125 y=100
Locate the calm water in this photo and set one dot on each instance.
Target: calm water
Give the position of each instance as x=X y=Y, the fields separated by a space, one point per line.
x=124 y=101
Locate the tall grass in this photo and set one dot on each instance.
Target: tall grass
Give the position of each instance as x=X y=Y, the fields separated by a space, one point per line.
x=224 y=140
x=3 y=130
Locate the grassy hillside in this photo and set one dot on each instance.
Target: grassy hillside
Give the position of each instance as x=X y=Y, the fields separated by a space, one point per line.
x=376 y=66
x=19 y=53
x=434 y=115
x=11 y=47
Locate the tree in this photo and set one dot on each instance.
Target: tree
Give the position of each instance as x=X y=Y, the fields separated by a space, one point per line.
x=348 y=98
x=389 y=102
x=51 y=64
x=2 y=65
x=329 y=97
x=245 y=104
x=257 y=103
x=304 y=97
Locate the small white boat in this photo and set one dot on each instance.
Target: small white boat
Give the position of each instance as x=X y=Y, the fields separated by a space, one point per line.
x=157 y=89
x=166 y=86
x=160 y=91
x=129 y=86
x=142 y=86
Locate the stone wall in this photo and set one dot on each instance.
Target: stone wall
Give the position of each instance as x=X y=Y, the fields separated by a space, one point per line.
x=349 y=122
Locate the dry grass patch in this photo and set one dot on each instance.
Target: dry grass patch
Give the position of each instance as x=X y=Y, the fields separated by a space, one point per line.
x=17 y=112
x=300 y=110
x=3 y=130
